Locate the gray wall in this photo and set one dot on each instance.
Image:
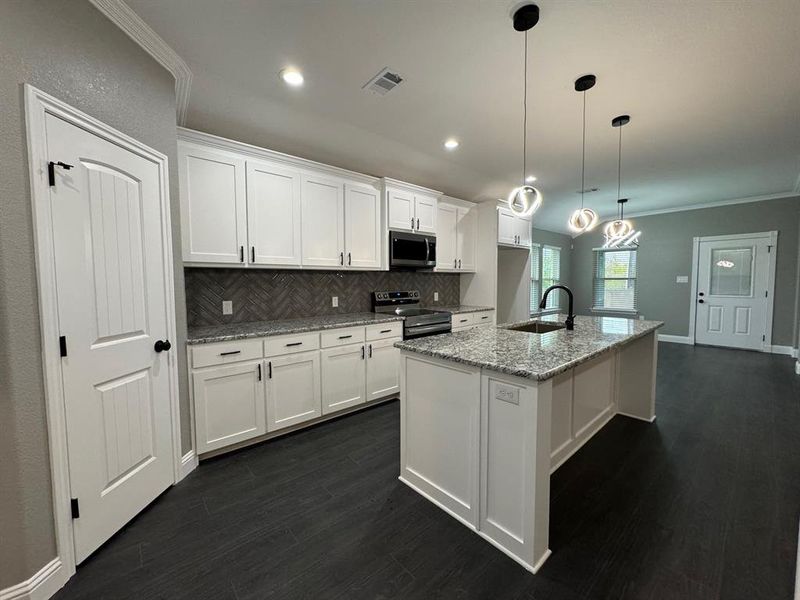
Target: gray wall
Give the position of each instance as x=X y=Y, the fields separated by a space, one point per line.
x=71 y=51
x=666 y=251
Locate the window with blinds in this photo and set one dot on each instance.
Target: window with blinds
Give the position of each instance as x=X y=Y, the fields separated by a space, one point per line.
x=614 y=286
x=551 y=275
x=536 y=278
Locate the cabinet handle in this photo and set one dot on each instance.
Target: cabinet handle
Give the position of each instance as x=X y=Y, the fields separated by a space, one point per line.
x=344 y=337
x=341 y=258
x=241 y=253
x=455 y=263
x=370 y=350
x=412 y=222
x=463 y=320
x=252 y=254
x=459 y=263
x=259 y=371
x=269 y=372
x=386 y=331
x=231 y=352
x=349 y=259
x=362 y=353
x=484 y=317
x=294 y=344
x=417 y=223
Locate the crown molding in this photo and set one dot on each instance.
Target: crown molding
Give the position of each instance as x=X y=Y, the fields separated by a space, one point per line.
x=140 y=32
x=411 y=187
x=748 y=200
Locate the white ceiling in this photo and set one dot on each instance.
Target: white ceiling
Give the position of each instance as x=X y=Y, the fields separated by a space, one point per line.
x=712 y=88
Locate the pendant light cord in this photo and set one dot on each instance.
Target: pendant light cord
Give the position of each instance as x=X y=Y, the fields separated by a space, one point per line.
x=525 y=113
x=583 y=151
x=619 y=173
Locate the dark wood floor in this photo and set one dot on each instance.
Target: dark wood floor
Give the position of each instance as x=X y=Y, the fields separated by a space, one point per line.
x=702 y=504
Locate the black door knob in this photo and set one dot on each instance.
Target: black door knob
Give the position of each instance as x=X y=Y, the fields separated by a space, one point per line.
x=162 y=345
x=701 y=301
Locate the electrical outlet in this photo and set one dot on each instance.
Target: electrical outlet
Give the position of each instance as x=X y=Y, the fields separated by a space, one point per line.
x=435 y=296
x=681 y=279
x=506 y=393
x=641 y=317
x=227 y=307
x=335 y=301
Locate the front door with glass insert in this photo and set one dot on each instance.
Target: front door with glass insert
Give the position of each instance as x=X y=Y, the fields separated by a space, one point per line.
x=732 y=292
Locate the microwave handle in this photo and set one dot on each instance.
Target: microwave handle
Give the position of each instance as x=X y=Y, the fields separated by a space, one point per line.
x=427 y=251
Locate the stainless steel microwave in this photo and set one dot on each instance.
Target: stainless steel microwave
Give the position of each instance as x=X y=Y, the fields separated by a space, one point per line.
x=411 y=250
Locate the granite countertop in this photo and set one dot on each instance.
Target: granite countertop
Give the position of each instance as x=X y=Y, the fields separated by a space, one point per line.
x=460 y=308
x=238 y=331
x=531 y=355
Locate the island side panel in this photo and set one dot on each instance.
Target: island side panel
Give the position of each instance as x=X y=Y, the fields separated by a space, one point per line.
x=636 y=378
x=439 y=423
x=515 y=466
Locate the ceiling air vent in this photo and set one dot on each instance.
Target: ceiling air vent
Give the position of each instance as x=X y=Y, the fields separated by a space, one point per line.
x=385 y=81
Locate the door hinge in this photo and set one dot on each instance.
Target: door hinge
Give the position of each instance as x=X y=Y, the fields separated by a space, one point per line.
x=51 y=170
x=769 y=249
x=62 y=345
x=76 y=511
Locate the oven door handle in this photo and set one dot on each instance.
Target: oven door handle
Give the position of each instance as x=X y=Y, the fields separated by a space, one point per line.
x=423 y=329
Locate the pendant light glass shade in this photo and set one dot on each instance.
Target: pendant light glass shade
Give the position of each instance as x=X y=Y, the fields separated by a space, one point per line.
x=583 y=219
x=618 y=228
x=620 y=232
x=525 y=199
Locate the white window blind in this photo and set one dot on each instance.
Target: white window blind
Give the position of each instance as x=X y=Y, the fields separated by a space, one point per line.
x=614 y=286
x=551 y=274
x=536 y=280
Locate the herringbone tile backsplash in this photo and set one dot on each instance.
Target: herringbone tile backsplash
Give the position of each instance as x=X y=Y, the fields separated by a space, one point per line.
x=267 y=294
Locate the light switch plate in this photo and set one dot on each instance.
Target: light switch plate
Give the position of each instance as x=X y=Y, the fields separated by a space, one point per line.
x=435 y=296
x=335 y=301
x=227 y=307
x=682 y=279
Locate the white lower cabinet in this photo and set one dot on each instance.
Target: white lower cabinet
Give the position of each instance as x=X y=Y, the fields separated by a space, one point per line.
x=383 y=369
x=229 y=404
x=343 y=377
x=293 y=389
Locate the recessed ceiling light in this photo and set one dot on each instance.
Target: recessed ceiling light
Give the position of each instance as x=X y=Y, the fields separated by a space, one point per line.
x=530 y=179
x=291 y=76
x=451 y=144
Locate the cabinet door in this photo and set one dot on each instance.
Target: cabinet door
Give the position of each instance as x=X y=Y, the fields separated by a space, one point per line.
x=425 y=214
x=229 y=405
x=213 y=206
x=523 y=229
x=506 y=227
x=383 y=369
x=401 y=211
x=446 y=238
x=467 y=238
x=293 y=390
x=273 y=215
x=362 y=227
x=343 y=377
x=323 y=222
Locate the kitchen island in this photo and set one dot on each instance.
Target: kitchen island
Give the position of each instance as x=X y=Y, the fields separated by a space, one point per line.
x=488 y=414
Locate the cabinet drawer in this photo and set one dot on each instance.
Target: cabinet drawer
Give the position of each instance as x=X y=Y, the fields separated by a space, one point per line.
x=483 y=317
x=205 y=355
x=383 y=331
x=287 y=344
x=463 y=320
x=341 y=337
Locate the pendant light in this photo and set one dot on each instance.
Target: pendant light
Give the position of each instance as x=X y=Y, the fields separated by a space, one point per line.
x=583 y=219
x=525 y=199
x=620 y=232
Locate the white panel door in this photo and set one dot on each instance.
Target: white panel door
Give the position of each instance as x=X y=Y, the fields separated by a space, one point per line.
x=273 y=215
x=293 y=389
x=213 y=205
x=401 y=211
x=112 y=307
x=343 y=377
x=732 y=292
x=447 y=238
x=467 y=239
x=425 y=214
x=229 y=405
x=323 y=222
x=523 y=228
x=362 y=230
x=506 y=227
x=383 y=369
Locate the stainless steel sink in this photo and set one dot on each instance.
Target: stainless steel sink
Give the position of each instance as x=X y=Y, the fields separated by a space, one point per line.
x=537 y=327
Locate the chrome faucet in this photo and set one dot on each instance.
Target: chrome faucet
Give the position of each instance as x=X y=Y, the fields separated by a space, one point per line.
x=570 y=322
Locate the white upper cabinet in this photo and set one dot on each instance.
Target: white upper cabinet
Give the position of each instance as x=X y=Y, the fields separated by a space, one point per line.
x=362 y=232
x=425 y=214
x=447 y=238
x=513 y=230
x=273 y=215
x=323 y=222
x=401 y=210
x=213 y=206
x=467 y=238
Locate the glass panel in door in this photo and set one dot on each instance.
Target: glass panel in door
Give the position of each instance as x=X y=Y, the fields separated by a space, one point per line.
x=732 y=272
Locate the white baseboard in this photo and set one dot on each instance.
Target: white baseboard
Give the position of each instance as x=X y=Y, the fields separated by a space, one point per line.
x=785 y=350
x=797 y=367
x=189 y=462
x=41 y=586
x=675 y=339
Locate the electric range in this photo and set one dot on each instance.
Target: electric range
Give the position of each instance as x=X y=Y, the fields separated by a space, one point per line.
x=418 y=321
